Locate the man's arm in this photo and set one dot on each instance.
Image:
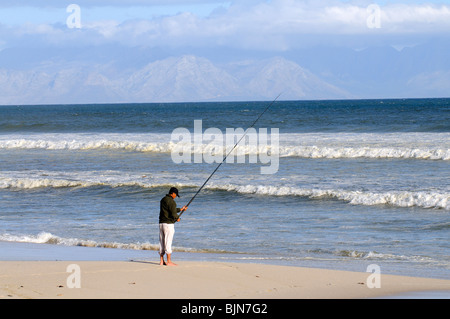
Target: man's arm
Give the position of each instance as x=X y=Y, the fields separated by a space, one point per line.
x=174 y=210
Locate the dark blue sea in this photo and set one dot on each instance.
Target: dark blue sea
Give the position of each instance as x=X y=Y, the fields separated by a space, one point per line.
x=336 y=184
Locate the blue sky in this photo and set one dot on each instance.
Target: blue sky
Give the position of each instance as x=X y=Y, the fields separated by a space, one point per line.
x=32 y=13
x=53 y=11
x=370 y=48
x=277 y=25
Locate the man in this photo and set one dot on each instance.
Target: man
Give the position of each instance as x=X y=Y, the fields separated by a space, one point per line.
x=168 y=215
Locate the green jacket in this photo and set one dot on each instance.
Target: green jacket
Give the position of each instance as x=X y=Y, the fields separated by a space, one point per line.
x=168 y=210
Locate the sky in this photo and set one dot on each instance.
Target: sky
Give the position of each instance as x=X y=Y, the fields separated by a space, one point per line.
x=250 y=29
x=263 y=25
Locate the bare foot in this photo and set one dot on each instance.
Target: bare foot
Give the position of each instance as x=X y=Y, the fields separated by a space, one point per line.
x=162 y=263
x=169 y=260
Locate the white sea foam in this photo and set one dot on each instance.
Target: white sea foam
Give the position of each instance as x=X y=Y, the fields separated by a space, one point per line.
x=424 y=199
x=48 y=238
x=427 y=146
x=84 y=142
x=315 y=254
x=394 y=198
x=365 y=152
x=41 y=238
x=33 y=183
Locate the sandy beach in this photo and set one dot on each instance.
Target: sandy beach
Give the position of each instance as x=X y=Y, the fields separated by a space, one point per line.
x=194 y=280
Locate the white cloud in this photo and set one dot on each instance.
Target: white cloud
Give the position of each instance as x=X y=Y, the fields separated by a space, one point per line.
x=417 y=18
x=100 y=3
x=276 y=25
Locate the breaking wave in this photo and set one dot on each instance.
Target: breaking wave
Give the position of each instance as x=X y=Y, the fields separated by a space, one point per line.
x=48 y=238
x=424 y=199
x=394 y=198
x=413 y=146
x=366 y=152
x=87 y=144
x=34 y=183
x=51 y=239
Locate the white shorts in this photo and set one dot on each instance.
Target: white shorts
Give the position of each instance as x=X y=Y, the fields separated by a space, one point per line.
x=166 y=232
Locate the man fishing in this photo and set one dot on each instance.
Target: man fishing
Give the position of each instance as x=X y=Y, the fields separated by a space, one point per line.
x=168 y=215
x=169 y=212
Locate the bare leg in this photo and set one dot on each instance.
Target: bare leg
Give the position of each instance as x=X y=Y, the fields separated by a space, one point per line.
x=161 y=260
x=169 y=261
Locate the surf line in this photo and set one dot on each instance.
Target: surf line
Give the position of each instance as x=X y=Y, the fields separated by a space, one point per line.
x=225 y=157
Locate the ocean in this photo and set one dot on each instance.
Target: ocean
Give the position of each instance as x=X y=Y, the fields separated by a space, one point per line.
x=348 y=183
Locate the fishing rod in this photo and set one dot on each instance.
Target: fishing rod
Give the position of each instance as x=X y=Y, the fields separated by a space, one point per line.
x=225 y=157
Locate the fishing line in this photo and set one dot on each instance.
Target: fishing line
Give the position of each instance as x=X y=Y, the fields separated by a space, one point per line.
x=225 y=157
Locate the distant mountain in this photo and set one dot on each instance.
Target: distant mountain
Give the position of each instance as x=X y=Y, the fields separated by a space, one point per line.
x=120 y=74
x=58 y=83
x=431 y=84
x=268 y=78
x=408 y=71
x=187 y=78
x=174 y=79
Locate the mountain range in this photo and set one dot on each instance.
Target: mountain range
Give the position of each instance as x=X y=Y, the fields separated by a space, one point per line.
x=174 y=79
x=120 y=75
